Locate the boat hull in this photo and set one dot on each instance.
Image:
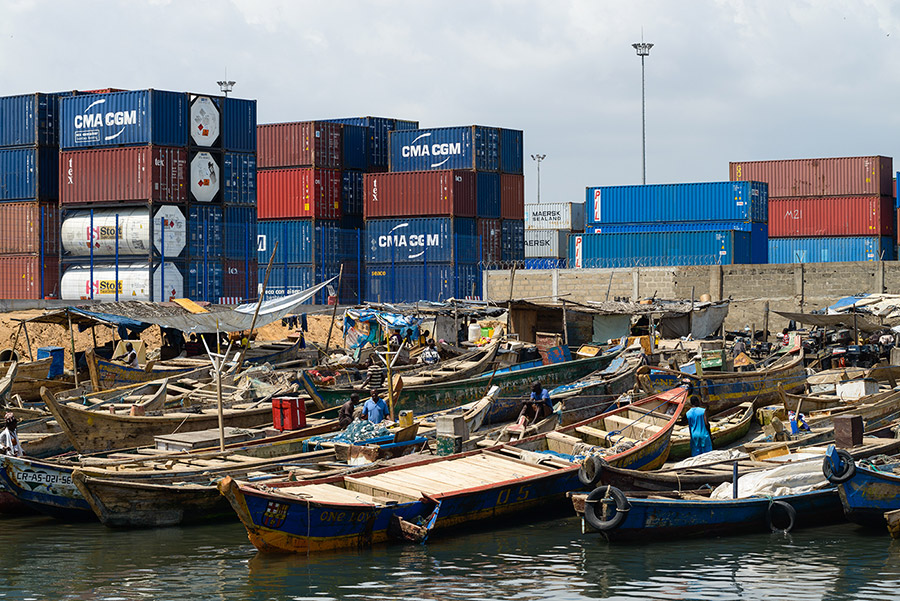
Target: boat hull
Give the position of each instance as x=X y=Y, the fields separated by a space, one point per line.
x=868 y=495
x=45 y=487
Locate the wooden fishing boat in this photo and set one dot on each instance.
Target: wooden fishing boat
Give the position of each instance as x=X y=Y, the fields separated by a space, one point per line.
x=675 y=515
x=721 y=391
x=726 y=427
x=44 y=487
x=436 y=397
x=867 y=491
x=617 y=377
x=31 y=375
x=95 y=431
x=817 y=403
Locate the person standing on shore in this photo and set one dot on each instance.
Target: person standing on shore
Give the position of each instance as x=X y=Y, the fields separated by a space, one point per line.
x=698 y=423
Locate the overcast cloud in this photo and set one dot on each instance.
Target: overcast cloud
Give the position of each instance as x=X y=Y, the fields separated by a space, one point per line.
x=726 y=80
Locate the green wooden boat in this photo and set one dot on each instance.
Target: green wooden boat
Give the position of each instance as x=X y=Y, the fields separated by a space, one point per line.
x=445 y=395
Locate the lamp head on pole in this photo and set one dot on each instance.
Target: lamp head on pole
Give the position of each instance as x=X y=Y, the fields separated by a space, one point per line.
x=642 y=48
x=226 y=86
x=538 y=157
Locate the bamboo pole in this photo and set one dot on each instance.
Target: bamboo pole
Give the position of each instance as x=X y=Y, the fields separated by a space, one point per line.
x=262 y=295
x=27 y=341
x=389 y=379
x=334 y=312
x=72 y=342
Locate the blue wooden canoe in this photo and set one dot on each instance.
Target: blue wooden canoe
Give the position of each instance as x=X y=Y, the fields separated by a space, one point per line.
x=678 y=515
x=866 y=492
x=45 y=487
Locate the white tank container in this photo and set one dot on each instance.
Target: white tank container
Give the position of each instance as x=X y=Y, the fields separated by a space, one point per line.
x=134 y=232
x=204 y=121
x=204 y=177
x=134 y=282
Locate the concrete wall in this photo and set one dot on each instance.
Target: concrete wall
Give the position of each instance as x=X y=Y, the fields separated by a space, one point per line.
x=795 y=287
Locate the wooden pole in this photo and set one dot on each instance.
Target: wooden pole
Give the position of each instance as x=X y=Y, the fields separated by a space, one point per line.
x=27 y=341
x=855 y=329
x=766 y=322
x=72 y=342
x=609 y=286
x=94 y=335
x=390 y=380
x=512 y=279
x=456 y=321
x=262 y=295
x=691 y=314
x=16 y=339
x=565 y=324
x=333 y=312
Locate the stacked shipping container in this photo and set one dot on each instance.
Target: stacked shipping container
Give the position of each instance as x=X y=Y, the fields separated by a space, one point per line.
x=29 y=196
x=452 y=204
x=147 y=179
x=705 y=223
x=822 y=210
x=547 y=229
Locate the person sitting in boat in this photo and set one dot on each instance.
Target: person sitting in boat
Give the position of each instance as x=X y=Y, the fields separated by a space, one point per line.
x=375 y=374
x=9 y=440
x=698 y=423
x=129 y=357
x=739 y=347
x=346 y=413
x=538 y=405
x=193 y=346
x=430 y=355
x=375 y=409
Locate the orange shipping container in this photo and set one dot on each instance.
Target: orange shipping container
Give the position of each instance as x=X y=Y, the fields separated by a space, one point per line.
x=24 y=224
x=849 y=176
x=23 y=276
x=296 y=193
x=300 y=144
x=831 y=216
x=512 y=196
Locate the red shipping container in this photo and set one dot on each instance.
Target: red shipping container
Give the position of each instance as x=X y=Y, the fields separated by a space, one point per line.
x=300 y=144
x=235 y=279
x=22 y=276
x=298 y=192
x=136 y=173
x=512 y=196
x=24 y=224
x=850 y=176
x=420 y=193
x=491 y=239
x=831 y=216
x=288 y=413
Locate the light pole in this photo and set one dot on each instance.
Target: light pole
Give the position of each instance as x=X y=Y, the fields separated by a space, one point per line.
x=539 y=158
x=226 y=86
x=643 y=50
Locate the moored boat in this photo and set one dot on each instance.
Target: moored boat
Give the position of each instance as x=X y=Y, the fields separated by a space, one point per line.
x=867 y=492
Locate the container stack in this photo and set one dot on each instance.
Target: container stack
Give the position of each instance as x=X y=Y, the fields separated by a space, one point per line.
x=300 y=186
x=547 y=229
x=440 y=214
x=709 y=223
x=123 y=181
x=825 y=210
x=29 y=196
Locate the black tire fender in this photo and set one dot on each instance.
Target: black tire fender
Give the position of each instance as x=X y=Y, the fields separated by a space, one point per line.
x=605 y=495
x=848 y=464
x=591 y=470
x=788 y=510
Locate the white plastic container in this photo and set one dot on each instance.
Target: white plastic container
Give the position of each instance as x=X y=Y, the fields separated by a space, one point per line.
x=204 y=123
x=205 y=177
x=133 y=234
x=134 y=282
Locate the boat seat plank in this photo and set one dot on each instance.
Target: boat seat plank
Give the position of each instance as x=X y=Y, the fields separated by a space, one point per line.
x=498 y=473
x=452 y=480
x=507 y=455
x=503 y=462
x=602 y=434
x=406 y=486
x=328 y=493
x=381 y=488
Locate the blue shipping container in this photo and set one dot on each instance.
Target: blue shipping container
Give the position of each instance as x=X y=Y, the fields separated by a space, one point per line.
x=542 y=263
x=285 y=280
x=511 y=151
x=353 y=222
x=487 y=195
x=124 y=118
x=830 y=250
x=356 y=146
x=656 y=249
x=29 y=120
x=422 y=240
x=306 y=241
x=205 y=231
x=470 y=147
x=412 y=283
x=205 y=280
x=240 y=240
x=239 y=178
x=29 y=174
x=353 y=198
x=759 y=232
x=239 y=125
x=671 y=203
x=512 y=240
x=381 y=127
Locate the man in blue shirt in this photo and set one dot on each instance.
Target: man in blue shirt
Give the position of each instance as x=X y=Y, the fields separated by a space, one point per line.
x=375 y=410
x=538 y=406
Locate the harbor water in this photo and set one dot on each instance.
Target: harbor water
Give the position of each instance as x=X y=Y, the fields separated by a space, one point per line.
x=43 y=559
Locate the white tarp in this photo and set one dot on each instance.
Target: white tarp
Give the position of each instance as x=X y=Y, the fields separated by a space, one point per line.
x=789 y=479
x=238 y=319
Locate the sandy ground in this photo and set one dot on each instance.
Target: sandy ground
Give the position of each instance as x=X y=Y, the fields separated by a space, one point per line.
x=53 y=335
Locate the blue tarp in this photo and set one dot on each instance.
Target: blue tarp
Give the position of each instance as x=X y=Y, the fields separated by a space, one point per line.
x=407 y=326
x=847 y=301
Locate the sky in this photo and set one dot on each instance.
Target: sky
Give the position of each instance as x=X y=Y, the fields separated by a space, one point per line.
x=726 y=80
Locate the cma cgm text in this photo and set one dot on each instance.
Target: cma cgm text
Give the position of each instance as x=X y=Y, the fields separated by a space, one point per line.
x=424 y=150
x=108 y=119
